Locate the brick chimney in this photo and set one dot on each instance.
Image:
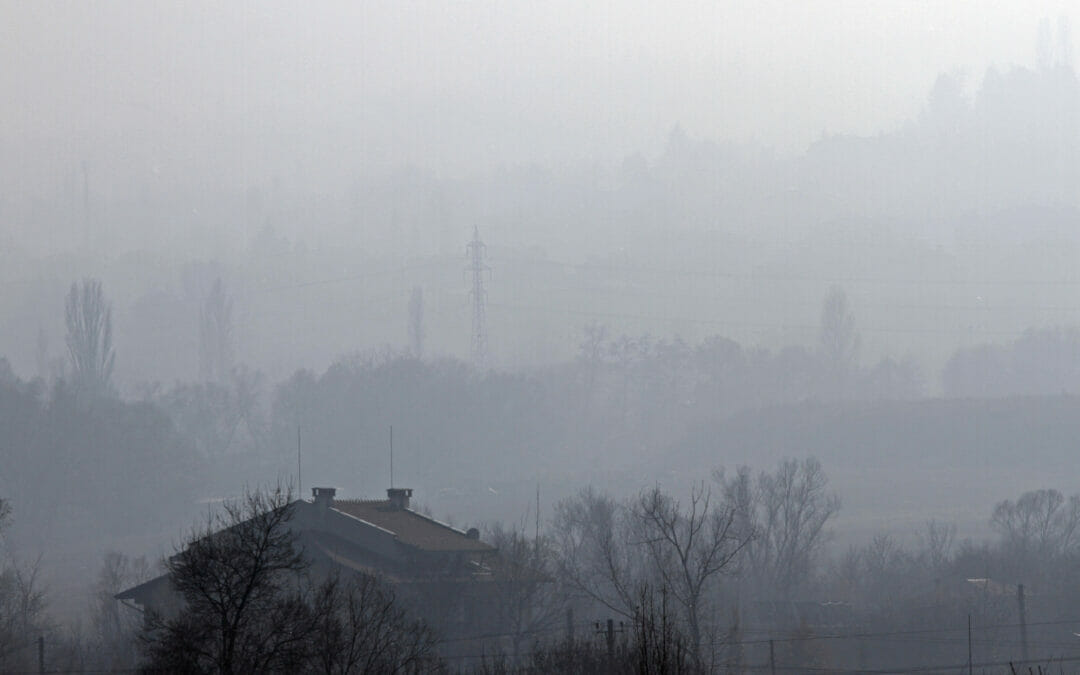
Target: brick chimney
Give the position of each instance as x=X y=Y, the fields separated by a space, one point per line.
x=399 y=498
x=323 y=496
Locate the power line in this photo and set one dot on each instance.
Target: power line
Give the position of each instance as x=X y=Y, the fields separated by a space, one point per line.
x=884 y=634
x=749 y=325
x=800 y=278
x=350 y=277
x=925 y=668
x=914 y=633
x=980 y=306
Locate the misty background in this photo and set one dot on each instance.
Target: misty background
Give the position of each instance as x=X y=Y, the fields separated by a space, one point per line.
x=718 y=234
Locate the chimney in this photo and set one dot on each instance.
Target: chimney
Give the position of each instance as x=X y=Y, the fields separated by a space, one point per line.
x=399 y=498
x=323 y=496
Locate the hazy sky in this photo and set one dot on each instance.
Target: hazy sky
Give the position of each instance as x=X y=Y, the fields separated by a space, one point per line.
x=247 y=90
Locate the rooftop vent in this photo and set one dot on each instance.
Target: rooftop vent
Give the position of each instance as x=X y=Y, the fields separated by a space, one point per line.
x=399 y=498
x=323 y=496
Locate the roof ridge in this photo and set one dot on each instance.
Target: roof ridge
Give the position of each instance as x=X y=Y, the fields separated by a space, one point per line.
x=438 y=522
x=410 y=527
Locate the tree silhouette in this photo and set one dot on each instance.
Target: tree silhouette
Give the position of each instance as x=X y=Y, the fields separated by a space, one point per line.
x=237 y=579
x=88 y=316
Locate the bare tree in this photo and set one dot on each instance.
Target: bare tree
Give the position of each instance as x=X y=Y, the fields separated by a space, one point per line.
x=88 y=316
x=359 y=628
x=215 y=334
x=595 y=556
x=887 y=568
x=22 y=604
x=238 y=581
x=608 y=552
x=1040 y=522
x=115 y=631
x=659 y=644
x=937 y=541
x=529 y=601
x=689 y=547
x=788 y=511
x=416 y=322
x=653 y=642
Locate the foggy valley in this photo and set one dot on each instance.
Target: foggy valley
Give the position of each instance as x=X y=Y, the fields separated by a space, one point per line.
x=497 y=338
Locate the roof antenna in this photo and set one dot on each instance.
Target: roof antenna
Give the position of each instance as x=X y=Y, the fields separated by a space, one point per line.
x=391 y=456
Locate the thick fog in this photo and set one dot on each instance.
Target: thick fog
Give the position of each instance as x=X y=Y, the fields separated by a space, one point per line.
x=244 y=94
x=555 y=247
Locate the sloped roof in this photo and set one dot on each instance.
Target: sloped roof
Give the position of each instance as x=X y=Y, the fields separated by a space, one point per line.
x=137 y=592
x=351 y=556
x=410 y=527
x=347 y=554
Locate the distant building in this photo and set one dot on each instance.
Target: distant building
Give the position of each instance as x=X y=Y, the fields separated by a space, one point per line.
x=444 y=573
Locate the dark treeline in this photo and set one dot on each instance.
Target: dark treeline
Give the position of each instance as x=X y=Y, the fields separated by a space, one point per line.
x=625 y=401
x=1039 y=362
x=87 y=467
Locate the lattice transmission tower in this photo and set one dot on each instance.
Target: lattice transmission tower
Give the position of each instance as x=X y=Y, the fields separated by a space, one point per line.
x=475 y=253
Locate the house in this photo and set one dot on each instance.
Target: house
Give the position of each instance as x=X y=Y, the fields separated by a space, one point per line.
x=444 y=573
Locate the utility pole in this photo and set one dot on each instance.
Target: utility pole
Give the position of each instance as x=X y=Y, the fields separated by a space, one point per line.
x=1023 y=623
x=611 y=645
x=970 y=666
x=475 y=252
x=772 y=658
x=609 y=635
x=41 y=653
